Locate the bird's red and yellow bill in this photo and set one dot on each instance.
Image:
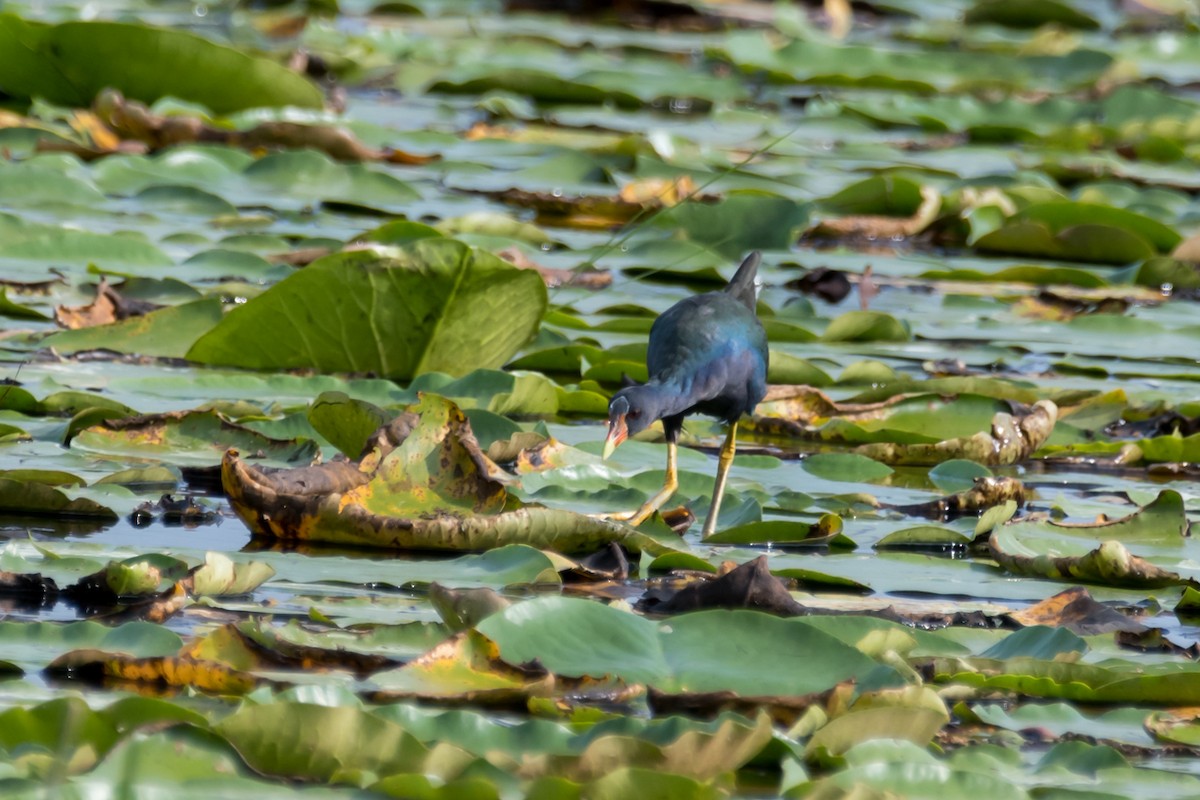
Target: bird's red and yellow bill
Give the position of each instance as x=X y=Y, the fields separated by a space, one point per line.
x=617 y=433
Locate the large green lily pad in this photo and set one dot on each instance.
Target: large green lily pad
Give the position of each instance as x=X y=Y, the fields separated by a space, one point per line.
x=436 y=306
x=71 y=62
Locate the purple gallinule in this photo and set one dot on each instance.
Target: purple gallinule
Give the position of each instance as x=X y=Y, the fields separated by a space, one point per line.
x=707 y=355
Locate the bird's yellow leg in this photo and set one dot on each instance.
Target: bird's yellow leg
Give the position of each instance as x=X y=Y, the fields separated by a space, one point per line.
x=664 y=494
x=724 y=461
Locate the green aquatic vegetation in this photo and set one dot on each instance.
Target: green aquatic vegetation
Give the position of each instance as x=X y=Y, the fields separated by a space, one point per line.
x=310 y=318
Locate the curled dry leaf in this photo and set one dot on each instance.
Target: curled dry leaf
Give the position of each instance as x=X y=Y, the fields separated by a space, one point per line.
x=1062 y=307
x=872 y=226
x=424 y=485
x=1012 y=438
x=461 y=609
x=750 y=585
x=300 y=257
x=1076 y=610
x=98 y=666
x=109 y=306
x=467 y=669
x=554 y=277
x=1110 y=564
x=118 y=121
x=987 y=492
x=789 y=409
x=831 y=285
x=595 y=211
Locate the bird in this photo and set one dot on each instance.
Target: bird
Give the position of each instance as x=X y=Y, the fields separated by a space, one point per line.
x=708 y=355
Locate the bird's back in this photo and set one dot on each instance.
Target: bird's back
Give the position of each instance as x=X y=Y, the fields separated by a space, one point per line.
x=712 y=349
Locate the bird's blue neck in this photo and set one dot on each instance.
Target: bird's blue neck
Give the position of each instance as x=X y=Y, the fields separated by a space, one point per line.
x=655 y=400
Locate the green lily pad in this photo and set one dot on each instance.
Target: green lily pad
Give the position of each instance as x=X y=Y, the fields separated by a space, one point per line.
x=71 y=62
x=437 y=307
x=167 y=333
x=849 y=467
x=576 y=637
x=191 y=438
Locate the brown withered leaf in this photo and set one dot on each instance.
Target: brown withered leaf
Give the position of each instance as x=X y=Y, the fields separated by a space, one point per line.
x=987 y=491
x=465 y=669
x=872 y=227
x=101 y=311
x=654 y=14
x=831 y=285
x=26 y=585
x=790 y=409
x=461 y=609
x=661 y=191
x=1155 y=640
x=94 y=131
x=424 y=484
x=102 y=667
x=1075 y=610
x=273 y=652
x=678 y=519
x=750 y=585
x=603 y=212
x=1012 y=438
x=784 y=710
x=553 y=277
x=1054 y=306
x=109 y=306
x=607 y=564
x=301 y=257
x=130 y=122
x=507 y=451
x=1110 y=564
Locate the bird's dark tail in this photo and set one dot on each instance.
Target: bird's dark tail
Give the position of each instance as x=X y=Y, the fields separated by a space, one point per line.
x=742 y=284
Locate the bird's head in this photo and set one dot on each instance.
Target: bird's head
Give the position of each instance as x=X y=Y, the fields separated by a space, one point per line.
x=627 y=415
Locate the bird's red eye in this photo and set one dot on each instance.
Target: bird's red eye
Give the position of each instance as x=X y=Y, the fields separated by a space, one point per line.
x=634 y=414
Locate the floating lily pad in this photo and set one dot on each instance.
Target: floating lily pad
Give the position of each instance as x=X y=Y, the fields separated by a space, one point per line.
x=191 y=438
x=168 y=332
x=574 y=637
x=1081 y=232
